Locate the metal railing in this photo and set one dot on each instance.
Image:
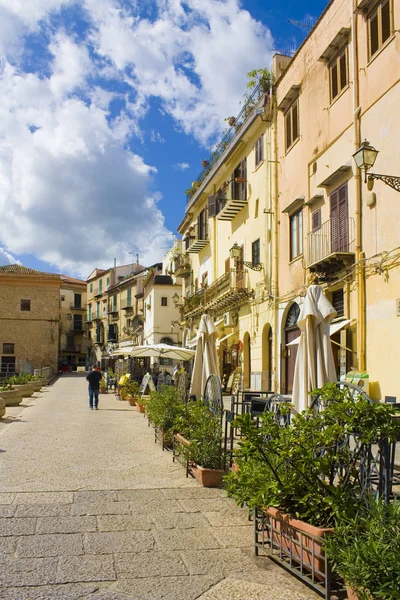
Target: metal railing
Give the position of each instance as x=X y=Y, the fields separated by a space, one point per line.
x=332 y=237
x=230 y=282
x=230 y=134
x=126 y=303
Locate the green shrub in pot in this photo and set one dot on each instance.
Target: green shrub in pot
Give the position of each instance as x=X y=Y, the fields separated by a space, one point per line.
x=308 y=470
x=163 y=407
x=203 y=429
x=365 y=551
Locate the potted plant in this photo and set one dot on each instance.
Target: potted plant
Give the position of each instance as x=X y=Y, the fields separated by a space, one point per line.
x=204 y=163
x=163 y=407
x=365 y=552
x=231 y=121
x=10 y=395
x=132 y=392
x=306 y=474
x=200 y=437
x=103 y=386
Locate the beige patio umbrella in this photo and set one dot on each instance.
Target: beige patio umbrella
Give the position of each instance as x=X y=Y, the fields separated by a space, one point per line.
x=314 y=362
x=206 y=359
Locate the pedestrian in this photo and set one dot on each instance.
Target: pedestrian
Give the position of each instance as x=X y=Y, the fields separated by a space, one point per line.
x=94 y=378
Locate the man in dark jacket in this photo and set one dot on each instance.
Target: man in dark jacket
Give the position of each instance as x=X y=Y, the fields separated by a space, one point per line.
x=94 y=378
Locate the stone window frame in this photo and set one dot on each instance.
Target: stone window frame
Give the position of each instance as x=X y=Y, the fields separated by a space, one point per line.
x=25 y=305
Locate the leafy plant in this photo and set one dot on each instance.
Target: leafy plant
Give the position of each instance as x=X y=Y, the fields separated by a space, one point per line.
x=203 y=430
x=365 y=551
x=308 y=469
x=19 y=379
x=103 y=384
x=163 y=408
x=132 y=388
x=260 y=77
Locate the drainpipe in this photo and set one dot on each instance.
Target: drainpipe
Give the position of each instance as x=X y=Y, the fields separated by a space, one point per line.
x=275 y=291
x=360 y=275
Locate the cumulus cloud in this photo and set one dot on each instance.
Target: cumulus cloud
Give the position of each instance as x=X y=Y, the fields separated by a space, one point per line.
x=73 y=192
x=7 y=259
x=182 y=166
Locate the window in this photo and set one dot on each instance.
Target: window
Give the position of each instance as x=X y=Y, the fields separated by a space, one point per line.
x=292 y=124
x=379 y=26
x=202 y=225
x=338 y=73
x=107 y=281
x=129 y=297
x=97 y=310
x=338 y=302
x=100 y=286
x=89 y=312
x=8 y=348
x=164 y=301
x=114 y=302
x=204 y=280
x=259 y=150
x=25 y=305
x=77 y=300
x=90 y=287
x=7 y=365
x=239 y=185
x=77 y=322
x=296 y=234
x=255 y=252
x=316 y=220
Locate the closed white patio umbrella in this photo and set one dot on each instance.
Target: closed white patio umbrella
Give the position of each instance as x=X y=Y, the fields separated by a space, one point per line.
x=206 y=358
x=162 y=350
x=314 y=362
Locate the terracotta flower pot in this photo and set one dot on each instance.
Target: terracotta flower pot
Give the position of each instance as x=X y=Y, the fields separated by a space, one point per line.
x=291 y=535
x=351 y=594
x=132 y=401
x=208 y=477
x=140 y=407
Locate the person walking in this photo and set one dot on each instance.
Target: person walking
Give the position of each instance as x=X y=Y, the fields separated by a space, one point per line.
x=94 y=378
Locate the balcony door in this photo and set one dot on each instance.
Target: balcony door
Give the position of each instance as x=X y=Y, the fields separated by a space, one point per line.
x=291 y=332
x=339 y=220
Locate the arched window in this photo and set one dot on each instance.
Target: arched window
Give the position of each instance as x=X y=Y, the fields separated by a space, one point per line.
x=293 y=315
x=167 y=340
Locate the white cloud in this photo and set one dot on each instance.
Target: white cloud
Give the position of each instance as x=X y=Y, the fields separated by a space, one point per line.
x=71 y=190
x=7 y=259
x=182 y=166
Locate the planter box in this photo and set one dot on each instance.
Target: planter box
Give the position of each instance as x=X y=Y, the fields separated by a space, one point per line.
x=11 y=397
x=2 y=407
x=207 y=477
x=165 y=443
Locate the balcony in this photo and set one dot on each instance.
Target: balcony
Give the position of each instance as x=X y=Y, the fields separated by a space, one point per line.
x=97 y=317
x=182 y=266
x=70 y=348
x=228 y=292
x=331 y=248
x=233 y=204
x=112 y=309
x=76 y=307
x=97 y=292
x=139 y=289
x=194 y=244
x=126 y=305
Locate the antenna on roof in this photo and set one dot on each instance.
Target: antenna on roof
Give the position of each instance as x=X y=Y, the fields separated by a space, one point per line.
x=307 y=23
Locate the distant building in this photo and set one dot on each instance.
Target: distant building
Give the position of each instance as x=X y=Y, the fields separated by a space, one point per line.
x=29 y=319
x=73 y=337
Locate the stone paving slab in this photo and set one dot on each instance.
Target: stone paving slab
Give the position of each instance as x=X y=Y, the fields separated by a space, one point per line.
x=113 y=518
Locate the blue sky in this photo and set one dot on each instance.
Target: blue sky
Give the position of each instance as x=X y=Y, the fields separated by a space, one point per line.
x=107 y=108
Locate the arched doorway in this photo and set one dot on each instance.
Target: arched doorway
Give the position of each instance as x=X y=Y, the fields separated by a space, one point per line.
x=291 y=332
x=246 y=360
x=267 y=357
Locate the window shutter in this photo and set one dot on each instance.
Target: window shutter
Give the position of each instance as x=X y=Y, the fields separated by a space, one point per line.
x=373 y=32
x=343 y=220
x=212 y=205
x=334 y=202
x=338 y=302
x=199 y=227
x=316 y=220
x=385 y=21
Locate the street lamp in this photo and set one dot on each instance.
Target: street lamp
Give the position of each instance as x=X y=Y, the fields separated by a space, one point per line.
x=235 y=253
x=365 y=158
x=175 y=299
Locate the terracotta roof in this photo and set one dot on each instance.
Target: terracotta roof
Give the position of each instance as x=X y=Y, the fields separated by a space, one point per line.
x=68 y=279
x=21 y=270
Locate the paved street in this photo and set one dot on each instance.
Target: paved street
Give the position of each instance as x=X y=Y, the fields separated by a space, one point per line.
x=90 y=507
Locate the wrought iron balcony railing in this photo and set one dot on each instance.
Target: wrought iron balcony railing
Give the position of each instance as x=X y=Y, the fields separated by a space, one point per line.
x=228 y=292
x=182 y=266
x=333 y=240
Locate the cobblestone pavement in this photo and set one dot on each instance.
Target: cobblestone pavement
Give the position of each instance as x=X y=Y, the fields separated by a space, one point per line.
x=91 y=508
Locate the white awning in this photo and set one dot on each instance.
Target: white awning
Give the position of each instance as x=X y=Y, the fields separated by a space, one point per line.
x=191 y=343
x=125 y=351
x=225 y=338
x=335 y=327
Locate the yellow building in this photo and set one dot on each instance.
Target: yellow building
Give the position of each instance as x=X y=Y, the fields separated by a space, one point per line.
x=341 y=87
x=227 y=252
x=29 y=319
x=282 y=191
